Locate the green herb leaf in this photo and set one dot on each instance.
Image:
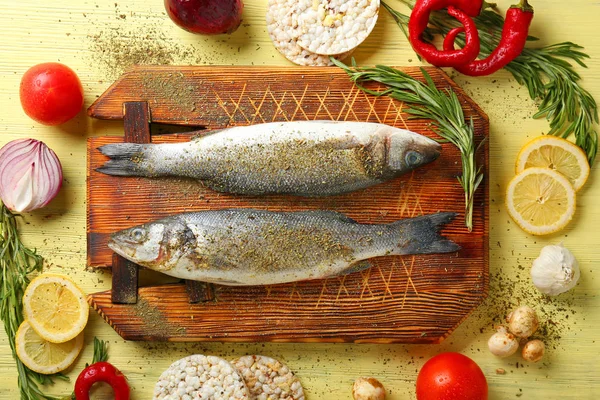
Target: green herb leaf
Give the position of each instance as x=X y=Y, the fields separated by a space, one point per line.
x=427 y=101
x=100 y=351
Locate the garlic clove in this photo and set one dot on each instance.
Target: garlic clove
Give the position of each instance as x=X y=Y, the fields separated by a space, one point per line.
x=555 y=271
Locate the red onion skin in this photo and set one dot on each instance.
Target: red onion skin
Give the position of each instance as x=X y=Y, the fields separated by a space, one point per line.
x=207 y=17
x=18 y=156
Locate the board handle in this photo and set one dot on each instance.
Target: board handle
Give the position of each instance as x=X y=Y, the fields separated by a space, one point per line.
x=200 y=292
x=124 y=281
x=136 y=119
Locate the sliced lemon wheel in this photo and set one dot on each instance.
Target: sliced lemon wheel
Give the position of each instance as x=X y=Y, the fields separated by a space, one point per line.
x=42 y=356
x=540 y=200
x=55 y=307
x=557 y=154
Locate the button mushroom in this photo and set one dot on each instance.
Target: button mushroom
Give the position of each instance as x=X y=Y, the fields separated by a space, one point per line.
x=367 y=388
x=522 y=322
x=533 y=350
x=503 y=343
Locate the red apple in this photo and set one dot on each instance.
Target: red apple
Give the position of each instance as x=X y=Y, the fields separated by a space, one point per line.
x=208 y=17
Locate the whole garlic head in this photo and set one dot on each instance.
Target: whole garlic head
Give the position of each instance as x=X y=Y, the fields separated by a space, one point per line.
x=555 y=271
x=503 y=343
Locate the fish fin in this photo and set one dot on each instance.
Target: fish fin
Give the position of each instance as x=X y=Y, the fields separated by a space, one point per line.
x=225 y=282
x=331 y=214
x=420 y=235
x=121 y=150
x=124 y=159
x=356 y=267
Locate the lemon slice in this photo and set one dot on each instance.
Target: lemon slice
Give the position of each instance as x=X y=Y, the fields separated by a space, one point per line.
x=42 y=356
x=557 y=154
x=540 y=200
x=55 y=307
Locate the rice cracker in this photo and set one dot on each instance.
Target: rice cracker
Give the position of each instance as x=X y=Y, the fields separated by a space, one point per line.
x=201 y=377
x=330 y=27
x=282 y=25
x=268 y=379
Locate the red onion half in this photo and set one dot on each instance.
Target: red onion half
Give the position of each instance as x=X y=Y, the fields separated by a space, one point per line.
x=30 y=175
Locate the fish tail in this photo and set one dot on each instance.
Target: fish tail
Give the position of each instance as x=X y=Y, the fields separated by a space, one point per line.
x=421 y=235
x=125 y=159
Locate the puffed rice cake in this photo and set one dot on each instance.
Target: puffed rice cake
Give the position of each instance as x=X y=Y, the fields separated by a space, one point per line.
x=201 y=377
x=268 y=379
x=331 y=27
x=282 y=26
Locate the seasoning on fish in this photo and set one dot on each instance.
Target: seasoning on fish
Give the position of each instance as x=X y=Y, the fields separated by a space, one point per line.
x=254 y=247
x=304 y=158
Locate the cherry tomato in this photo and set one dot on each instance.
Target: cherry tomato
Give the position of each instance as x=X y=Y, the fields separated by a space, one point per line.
x=451 y=376
x=51 y=93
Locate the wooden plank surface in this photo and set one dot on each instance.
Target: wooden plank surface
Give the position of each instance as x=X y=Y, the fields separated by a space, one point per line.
x=218 y=97
x=411 y=299
x=363 y=310
x=74 y=32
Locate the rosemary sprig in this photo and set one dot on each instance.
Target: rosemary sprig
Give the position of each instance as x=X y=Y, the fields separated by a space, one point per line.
x=100 y=351
x=17 y=262
x=546 y=71
x=427 y=101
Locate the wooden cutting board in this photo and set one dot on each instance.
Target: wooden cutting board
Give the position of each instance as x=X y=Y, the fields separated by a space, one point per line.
x=402 y=299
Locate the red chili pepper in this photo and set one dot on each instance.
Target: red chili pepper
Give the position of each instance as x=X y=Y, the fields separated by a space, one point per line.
x=423 y=8
x=459 y=9
x=101 y=372
x=512 y=42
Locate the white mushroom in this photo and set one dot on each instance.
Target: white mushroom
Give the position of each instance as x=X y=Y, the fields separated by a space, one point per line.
x=533 y=350
x=522 y=322
x=503 y=343
x=367 y=388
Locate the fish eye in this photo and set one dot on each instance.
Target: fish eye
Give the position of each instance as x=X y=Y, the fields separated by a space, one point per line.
x=413 y=158
x=138 y=234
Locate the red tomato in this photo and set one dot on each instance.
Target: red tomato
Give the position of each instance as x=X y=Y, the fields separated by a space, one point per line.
x=451 y=376
x=51 y=93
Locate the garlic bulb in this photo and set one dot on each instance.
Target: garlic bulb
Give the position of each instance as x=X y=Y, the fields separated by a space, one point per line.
x=30 y=175
x=555 y=271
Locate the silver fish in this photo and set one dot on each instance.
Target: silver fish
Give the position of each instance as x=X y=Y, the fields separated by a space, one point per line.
x=253 y=247
x=304 y=158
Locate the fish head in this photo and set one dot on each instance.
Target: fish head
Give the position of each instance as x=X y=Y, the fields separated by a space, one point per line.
x=158 y=245
x=408 y=150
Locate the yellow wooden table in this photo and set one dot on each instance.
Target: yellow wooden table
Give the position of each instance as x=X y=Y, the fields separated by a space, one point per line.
x=98 y=38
